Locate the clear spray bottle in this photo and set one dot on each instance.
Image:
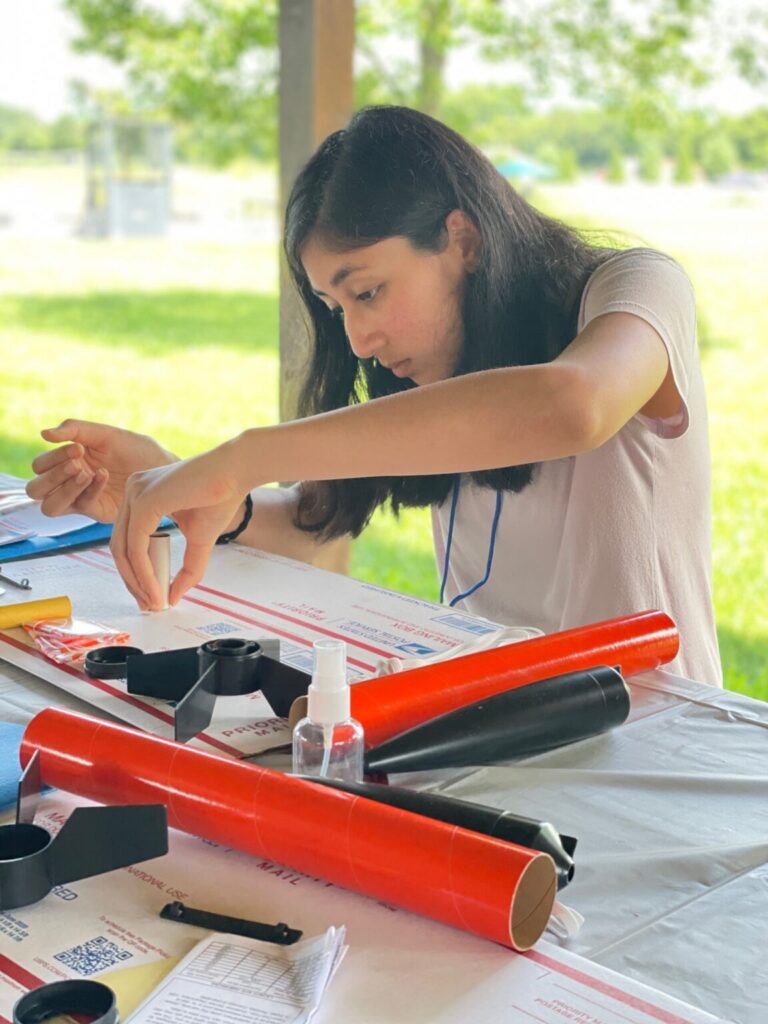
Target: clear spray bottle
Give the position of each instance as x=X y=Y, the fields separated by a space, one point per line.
x=328 y=743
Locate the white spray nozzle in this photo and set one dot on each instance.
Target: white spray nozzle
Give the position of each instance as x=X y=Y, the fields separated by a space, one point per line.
x=328 y=694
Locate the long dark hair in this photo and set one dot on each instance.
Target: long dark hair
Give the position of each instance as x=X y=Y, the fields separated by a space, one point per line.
x=397 y=172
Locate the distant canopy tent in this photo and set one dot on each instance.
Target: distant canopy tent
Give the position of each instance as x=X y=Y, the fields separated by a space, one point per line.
x=524 y=168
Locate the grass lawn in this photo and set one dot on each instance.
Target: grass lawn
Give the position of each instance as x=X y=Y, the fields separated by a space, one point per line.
x=179 y=339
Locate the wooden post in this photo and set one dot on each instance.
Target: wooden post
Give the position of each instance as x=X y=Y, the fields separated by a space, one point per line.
x=317 y=39
x=316 y=98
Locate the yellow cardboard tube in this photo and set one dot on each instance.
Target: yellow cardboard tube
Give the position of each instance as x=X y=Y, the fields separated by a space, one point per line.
x=34 y=611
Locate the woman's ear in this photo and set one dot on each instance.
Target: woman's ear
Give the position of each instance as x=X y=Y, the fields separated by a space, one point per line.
x=464 y=234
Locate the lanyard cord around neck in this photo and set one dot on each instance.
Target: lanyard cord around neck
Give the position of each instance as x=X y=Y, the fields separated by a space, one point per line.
x=449 y=543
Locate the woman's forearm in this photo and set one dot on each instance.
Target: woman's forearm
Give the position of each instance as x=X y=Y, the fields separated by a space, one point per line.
x=478 y=421
x=272 y=528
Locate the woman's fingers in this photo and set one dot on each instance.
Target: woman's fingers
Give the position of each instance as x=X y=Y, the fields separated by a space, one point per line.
x=67 y=430
x=56 y=457
x=47 y=482
x=117 y=546
x=195 y=561
x=63 y=491
x=85 y=431
x=91 y=494
x=201 y=506
x=136 y=522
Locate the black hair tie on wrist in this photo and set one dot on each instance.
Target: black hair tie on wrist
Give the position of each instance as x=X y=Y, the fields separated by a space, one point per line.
x=227 y=538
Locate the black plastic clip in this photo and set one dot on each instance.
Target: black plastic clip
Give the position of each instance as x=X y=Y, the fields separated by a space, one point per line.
x=196 y=676
x=279 y=933
x=92 y=841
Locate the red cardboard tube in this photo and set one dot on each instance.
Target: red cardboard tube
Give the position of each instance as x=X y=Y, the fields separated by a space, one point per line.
x=491 y=888
x=389 y=705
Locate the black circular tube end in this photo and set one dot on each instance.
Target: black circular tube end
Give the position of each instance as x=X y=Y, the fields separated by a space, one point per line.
x=59 y=997
x=109 y=662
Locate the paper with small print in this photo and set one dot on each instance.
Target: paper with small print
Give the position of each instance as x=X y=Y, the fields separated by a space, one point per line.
x=235 y=980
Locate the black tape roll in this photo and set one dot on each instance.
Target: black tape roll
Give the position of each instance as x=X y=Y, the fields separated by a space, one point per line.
x=109 y=662
x=59 y=997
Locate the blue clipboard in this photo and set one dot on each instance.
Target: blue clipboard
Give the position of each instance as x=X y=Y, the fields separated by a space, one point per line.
x=92 y=536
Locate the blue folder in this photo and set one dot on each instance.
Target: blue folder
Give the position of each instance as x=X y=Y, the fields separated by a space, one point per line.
x=92 y=536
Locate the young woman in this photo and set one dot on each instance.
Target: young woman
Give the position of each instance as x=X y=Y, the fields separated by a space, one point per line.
x=542 y=395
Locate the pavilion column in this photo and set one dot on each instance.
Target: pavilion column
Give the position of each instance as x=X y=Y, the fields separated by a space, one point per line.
x=315 y=98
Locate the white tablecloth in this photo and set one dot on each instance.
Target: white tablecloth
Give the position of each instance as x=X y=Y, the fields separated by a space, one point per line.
x=671 y=813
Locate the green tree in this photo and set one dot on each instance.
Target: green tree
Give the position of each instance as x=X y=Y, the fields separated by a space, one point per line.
x=66 y=132
x=567 y=166
x=617 y=173
x=649 y=159
x=487 y=114
x=750 y=136
x=21 y=130
x=213 y=63
x=718 y=155
x=684 y=162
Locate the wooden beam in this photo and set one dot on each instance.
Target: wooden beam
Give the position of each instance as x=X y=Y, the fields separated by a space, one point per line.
x=317 y=40
x=316 y=98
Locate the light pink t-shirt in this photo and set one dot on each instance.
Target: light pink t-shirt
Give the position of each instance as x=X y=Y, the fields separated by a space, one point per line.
x=620 y=529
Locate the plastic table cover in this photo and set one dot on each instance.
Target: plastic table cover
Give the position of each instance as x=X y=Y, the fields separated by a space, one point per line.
x=671 y=812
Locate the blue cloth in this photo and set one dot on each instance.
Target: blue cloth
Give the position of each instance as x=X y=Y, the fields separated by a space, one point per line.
x=10 y=772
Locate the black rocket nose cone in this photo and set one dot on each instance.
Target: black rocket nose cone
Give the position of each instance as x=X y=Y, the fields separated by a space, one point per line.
x=520 y=722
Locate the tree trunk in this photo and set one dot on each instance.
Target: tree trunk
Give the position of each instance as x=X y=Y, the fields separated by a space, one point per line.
x=434 y=37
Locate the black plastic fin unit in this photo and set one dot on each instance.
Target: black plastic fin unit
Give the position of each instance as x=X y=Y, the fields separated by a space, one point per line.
x=29 y=791
x=166 y=675
x=195 y=711
x=489 y=821
x=196 y=676
x=517 y=723
x=92 y=841
x=282 y=685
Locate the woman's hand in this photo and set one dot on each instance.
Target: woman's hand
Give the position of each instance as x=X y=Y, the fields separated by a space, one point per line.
x=202 y=494
x=89 y=472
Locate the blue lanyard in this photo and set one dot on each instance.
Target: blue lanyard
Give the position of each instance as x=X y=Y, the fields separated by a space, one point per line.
x=449 y=542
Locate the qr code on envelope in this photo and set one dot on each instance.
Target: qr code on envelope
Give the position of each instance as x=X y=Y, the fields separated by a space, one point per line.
x=219 y=628
x=95 y=955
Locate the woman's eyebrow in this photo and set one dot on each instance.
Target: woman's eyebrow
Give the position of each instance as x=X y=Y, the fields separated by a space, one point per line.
x=341 y=274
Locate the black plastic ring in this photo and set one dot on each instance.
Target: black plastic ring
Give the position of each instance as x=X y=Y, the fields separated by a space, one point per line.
x=231 y=648
x=109 y=662
x=91 y=997
x=236 y=665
